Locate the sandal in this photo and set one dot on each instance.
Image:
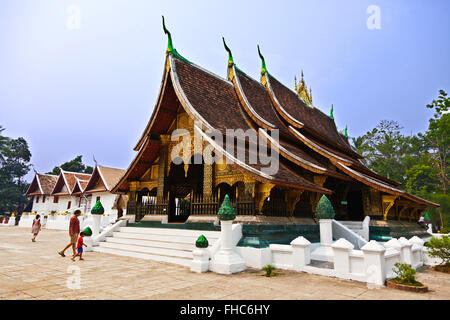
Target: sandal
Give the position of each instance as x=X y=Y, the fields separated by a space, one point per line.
x=61 y=254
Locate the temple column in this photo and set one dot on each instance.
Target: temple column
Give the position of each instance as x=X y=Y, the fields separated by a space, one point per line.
x=162 y=167
x=207 y=180
x=249 y=188
x=208 y=171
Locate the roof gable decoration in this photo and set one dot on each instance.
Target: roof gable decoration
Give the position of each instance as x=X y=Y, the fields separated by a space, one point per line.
x=263 y=63
x=170 y=48
x=33 y=185
x=331 y=112
x=230 y=56
x=232 y=76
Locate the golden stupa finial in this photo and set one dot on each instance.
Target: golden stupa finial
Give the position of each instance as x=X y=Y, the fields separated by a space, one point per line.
x=302 y=90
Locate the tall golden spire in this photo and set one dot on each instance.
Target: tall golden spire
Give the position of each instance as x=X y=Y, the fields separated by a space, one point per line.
x=302 y=90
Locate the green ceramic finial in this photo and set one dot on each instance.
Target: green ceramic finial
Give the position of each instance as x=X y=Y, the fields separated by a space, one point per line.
x=345 y=132
x=331 y=112
x=263 y=67
x=169 y=37
x=201 y=242
x=98 y=208
x=324 y=209
x=87 y=232
x=230 y=56
x=226 y=211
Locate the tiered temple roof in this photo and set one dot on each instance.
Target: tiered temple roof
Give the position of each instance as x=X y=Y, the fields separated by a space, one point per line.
x=308 y=138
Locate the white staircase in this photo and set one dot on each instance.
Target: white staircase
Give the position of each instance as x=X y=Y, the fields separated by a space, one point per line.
x=159 y=244
x=355 y=226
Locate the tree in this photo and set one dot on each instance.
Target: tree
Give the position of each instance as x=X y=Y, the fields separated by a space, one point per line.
x=439 y=138
x=14 y=165
x=384 y=149
x=74 y=165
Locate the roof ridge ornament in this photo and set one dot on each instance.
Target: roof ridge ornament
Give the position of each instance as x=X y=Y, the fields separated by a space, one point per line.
x=263 y=61
x=230 y=56
x=331 y=112
x=170 y=48
x=345 y=132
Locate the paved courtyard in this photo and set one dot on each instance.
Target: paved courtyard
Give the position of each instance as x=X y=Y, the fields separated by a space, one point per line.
x=35 y=271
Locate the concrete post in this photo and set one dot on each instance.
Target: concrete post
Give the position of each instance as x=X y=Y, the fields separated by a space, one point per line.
x=300 y=253
x=341 y=252
x=374 y=263
x=397 y=245
x=326 y=232
x=227 y=261
x=418 y=243
x=96 y=219
x=406 y=250
x=12 y=221
x=200 y=263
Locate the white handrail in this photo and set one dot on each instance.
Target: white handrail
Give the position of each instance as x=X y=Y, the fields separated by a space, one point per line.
x=341 y=231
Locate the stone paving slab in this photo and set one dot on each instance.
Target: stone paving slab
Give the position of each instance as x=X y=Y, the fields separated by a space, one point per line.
x=35 y=271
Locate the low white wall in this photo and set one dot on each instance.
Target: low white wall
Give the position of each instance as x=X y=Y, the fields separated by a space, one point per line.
x=373 y=264
x=255 y=257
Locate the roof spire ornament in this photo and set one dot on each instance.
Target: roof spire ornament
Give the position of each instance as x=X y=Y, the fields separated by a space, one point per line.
x=331 y=112
x=263 y=66
x=230 y=56
x=169 y=38
x=345 y=132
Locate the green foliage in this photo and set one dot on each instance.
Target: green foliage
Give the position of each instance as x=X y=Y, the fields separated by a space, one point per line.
x=438 y=137
x=98 y=208
x=268 y=269
x=440 y=248
x=226 y=211
x=202 y=242
x=74 y=165
x=405 y=274
x=419 y=162
x=14 y=165
x=384 y=149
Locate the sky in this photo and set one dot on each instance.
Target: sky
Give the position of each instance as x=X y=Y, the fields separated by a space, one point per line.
x=81 y=77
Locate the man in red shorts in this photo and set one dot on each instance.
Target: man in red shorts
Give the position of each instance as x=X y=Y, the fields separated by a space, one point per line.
x=74 y=230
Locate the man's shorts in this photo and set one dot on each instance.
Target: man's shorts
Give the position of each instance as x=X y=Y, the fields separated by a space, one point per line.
x=80 y=250
x=74 y=238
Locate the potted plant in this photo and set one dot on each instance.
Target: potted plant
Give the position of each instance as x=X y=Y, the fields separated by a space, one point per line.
x=440 y=248
x=405 y=279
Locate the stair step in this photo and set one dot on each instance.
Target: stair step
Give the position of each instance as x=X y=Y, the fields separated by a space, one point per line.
x=168 y=259
x=171 y=231
x=149 y=250
x=161 y=238
x=150 y=243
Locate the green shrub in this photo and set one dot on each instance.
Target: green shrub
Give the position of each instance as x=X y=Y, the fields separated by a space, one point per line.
x=405 y=275
x=268 y=269
x=439 y=247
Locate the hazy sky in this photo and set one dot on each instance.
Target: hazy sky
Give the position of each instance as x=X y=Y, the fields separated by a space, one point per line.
x=90 y=88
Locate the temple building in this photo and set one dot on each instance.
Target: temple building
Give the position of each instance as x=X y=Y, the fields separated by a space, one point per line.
x=314 y=158
x=72 y=190
x=40 y=191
